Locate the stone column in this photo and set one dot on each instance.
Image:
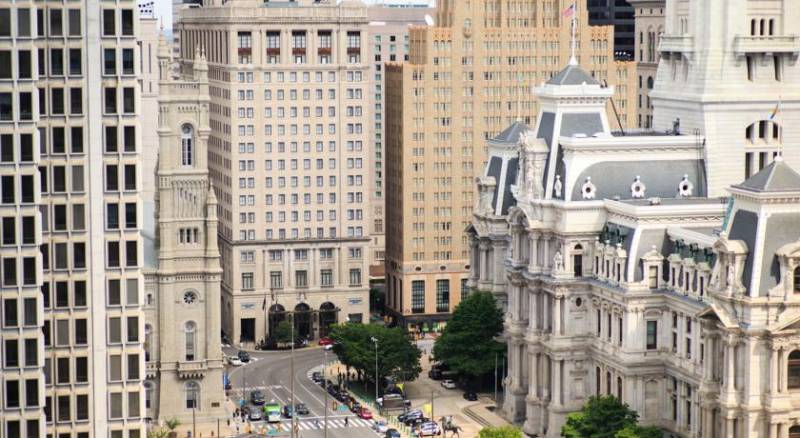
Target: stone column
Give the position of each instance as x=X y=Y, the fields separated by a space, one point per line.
x=557 y=316
x=773 y=373
x=773 y=430
x=730 y=376
x=557 y=382
x=546 y=253
x=533 y=309
x=533 y=263
x=483 y=247
x=534 y=383
x=729 y=428
x=784 y=372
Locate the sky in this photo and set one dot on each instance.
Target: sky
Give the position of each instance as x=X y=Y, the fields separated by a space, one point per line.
x=163 y=9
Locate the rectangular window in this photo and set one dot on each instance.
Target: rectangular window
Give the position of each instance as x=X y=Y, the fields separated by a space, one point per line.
x=247 y=281
x=112 y=250
x=355 y=277
x=442 y=295
x=114 y=293
x=31 y=352
x=130 y=177
x=114 y=330
x=301 y=278
x=109 y=25
x=109 y=61
x=652 y=335
x=133 y=329
x=115 y=401
x=62 y=370
x=326 y=277
x=127 y=22
x=131 y=253
x=11 y=353
x=112 y=178
x=275 y=280
x=128 y=100
x=32 y=392
x=110 y=98
x=12 y=393
x=418 y=296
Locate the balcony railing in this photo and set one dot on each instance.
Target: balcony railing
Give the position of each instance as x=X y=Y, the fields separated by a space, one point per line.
x=766 y=44
x=324 y=51
x=354 y=50
x=192 y=369
x=676 y=43
x=274 y=51
x=299 y=51
x=245 y=51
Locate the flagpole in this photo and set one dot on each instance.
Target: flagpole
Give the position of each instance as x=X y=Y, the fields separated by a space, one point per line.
x=573 y=60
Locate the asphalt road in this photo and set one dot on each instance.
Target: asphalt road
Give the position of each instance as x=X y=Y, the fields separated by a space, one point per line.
x=271 y=372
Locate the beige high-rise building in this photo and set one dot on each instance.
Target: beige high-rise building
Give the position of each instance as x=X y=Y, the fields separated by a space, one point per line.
x=466 y=80
x=70 y=175
x=388 y=39
x=290 y=157
x=649 y=28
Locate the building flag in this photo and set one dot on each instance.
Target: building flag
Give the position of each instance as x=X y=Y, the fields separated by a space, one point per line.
x=569 y=11
x=264 y=304
x=776 y=111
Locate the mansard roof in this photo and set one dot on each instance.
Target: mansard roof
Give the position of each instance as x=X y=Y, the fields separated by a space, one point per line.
x=777 y=177
x=572 y=74
x=512 y=133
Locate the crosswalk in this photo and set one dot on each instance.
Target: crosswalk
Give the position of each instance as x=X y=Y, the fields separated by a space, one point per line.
x=319 y=423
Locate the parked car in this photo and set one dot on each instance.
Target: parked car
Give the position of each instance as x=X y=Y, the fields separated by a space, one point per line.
x=287 y=411
x=430 y=428
x=316 y=376
x=380 y=426
x=449 y=384
x=301 y=409
x=414 y=422
x=364 y=414
x=325 y=341
x=257 y=398
x=392 y=433
x=355 y=407
x=233 y=360
x=416 y=413
x=244 y=356
x=435 y=374
x=329 y=347
x=255 y=415
x=471 y=396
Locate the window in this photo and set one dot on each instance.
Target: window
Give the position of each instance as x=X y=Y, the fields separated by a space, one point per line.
x=11 y=353
x=133 y=329
x=442 y=295
x=418 y=296
x=355 y=277
x=12 y=393
x=793 y=374
x=127 y=22
x=128 y=100
x=301 y=278
x=6 y=108
x=110 y=99
x=190 y=329
x=652 y=335
x=31 y=352
x=247 y=281
x=187 y=156
x=464 y=289
x=797 y=280
x=192 y=395
x=130 y=177
x=109 y=25
x=326 y=278
x=275 y=280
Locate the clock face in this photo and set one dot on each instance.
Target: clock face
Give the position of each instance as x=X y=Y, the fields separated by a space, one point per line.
x=189 y=297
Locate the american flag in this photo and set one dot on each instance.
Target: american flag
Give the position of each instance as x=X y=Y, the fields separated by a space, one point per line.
x=569 y=11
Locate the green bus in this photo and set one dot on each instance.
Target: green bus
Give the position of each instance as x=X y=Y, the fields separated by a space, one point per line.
x=272 y=412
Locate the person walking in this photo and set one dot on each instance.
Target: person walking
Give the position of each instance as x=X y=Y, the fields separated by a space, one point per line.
x=346 y=421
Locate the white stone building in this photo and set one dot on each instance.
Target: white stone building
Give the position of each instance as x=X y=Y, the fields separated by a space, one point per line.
x=620 y=273
x=182 y=280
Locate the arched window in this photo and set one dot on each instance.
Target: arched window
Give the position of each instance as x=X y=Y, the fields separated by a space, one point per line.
x=192 y=395
x=577 y=261
x=148 y=395
x=148 y=342
x=619 y=388
x=608 y=383
x=190 y=328
x=793 y=374
x=187 y=145
x=650 y=82
x=794 y=432
x=797 y=280
x=597 y=378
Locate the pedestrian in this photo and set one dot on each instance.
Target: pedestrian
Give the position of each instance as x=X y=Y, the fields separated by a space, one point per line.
x=346 y=421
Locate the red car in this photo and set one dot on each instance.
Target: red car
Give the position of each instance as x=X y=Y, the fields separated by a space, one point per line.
x=325 y=341
x=365 y=414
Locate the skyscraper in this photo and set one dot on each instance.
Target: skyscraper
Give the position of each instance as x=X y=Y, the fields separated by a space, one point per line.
x=290 y=157
x=72 y=327
x=617 y=13
x=466 y=80
x=649 y=27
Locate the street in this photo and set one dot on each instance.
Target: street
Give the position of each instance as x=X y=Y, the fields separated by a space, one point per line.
x=270 y=372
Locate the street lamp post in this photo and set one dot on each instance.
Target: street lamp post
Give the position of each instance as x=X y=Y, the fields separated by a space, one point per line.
x=293 y=433
x=325 y=386
x=375 y=341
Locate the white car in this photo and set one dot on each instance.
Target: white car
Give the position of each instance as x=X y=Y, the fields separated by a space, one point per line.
x=235 y=361
x=430 y=428
x=380 y=426
x=449 y=384
x=328 y=347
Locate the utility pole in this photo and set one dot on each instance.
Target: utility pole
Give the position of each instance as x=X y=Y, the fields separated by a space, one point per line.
x=294 y=432
x=495 y=377
x=194 y=423
x=325 y=386
x=375 y=341
x=432 y=416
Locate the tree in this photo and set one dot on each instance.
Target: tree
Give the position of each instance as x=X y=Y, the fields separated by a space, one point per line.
x=283 y=332
x=468 y=344
x=500 y=432
x=397 y=355
x=606 y=417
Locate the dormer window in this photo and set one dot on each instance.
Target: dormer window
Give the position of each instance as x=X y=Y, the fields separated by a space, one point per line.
x=187 y=146
x=797 y=280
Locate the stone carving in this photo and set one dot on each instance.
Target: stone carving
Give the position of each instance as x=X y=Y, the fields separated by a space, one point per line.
x=486 y=186
x=588 y=190
x=730 y=277
x=685 y=188
x=557 y=187
x=558 y=262
x=638 y=188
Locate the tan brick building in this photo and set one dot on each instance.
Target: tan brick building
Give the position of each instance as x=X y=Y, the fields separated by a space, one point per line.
x=467 y=79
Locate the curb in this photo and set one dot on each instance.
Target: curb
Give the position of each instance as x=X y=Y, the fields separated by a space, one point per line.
x=475 y=417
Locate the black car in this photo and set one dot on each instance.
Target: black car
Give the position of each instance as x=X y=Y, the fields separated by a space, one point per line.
x=316 y=376
x=471 y=396
x=287 y=411
x=414 y=422
x=244 y=356
x=435 y=374
x=257 y=398
x=410 y=414
x=355 y=407
x=392 y=433
x=301 y=409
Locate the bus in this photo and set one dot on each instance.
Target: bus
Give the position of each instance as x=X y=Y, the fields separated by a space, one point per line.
x=272 y=412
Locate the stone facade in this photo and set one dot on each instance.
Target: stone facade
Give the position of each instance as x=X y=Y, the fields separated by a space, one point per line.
x=621 y=273
x=182 y=330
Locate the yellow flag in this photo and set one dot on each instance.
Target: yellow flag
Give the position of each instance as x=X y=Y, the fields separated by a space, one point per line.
x=426 y=408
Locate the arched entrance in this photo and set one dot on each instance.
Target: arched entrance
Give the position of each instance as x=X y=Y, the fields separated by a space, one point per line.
x=328 y=315
x=276 y=315
x=302 y=321
x=794 y=432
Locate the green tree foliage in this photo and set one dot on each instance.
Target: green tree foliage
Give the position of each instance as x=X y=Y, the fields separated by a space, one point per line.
x=606 y=417
x=283 y=332
x=397 y=355
x=500 y=432
x=468 y=342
